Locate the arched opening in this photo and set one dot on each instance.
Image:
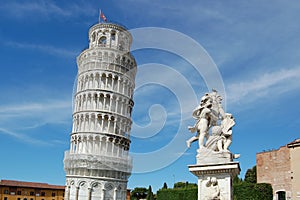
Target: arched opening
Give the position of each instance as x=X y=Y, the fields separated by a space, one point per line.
x=113 y=36
x=102 y=40
x=109 y=192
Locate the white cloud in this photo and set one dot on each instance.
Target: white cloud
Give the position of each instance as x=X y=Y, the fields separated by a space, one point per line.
x=267 y=84
x=49 y=111
x=49 y=9
x=24 y=138
x=17 y=120
x=35 y=107
x=174 y=9
x=44 y=48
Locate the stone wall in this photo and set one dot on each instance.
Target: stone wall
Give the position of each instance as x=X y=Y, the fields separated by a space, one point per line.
x=295 y=169
x=274 y=167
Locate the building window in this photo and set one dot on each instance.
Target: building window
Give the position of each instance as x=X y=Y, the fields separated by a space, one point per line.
x=31 y=198
x=19 y=198
x=5 y=191
x=113 y=36
x=281 y=195
x=25 y=199
x=43 y=194
x=102 y=40
x=19 y=193
x=31 y=193
x=53 y=194
x=5 y=198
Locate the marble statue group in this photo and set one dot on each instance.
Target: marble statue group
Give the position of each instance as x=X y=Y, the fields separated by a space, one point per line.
x=210 y=115
x=215 y=166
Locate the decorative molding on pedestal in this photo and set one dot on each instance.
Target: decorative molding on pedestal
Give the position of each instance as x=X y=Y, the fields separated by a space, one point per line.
x=232 y=168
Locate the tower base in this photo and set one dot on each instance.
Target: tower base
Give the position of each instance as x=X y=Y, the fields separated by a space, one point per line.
x=95 y=188
x=215 y=180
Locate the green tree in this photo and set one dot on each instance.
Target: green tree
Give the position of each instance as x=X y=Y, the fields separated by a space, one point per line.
x=183 y=185
x=180 y=185
x=138 y=193
x=249 y=189
x=250 y=176
x=165 y=186
x=237 y=180
x=178 y=194
x=150 y=195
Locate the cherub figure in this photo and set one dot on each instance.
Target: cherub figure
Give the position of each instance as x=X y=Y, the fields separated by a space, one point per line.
x=213 y=190
x=203 y=116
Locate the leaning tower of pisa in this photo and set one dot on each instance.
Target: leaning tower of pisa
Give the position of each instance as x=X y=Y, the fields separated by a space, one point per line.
x=97 y=165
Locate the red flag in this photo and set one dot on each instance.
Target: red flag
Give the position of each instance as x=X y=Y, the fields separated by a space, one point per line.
x=102 y=16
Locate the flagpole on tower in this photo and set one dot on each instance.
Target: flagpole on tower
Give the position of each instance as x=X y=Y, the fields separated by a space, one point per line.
x=99 y=16
x=102 y=16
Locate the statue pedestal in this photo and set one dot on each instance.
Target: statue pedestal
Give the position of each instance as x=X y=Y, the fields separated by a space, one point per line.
x=215 y=172
x=223 y=173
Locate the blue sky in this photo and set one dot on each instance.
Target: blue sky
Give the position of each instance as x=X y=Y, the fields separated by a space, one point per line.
x=254 y=44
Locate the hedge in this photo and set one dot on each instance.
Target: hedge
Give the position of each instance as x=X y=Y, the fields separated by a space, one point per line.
x=178 y=194
x=250 y=191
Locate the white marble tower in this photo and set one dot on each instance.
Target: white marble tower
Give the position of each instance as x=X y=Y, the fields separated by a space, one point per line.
x=97 y=165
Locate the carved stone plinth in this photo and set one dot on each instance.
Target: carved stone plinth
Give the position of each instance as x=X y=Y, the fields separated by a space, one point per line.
x=208 y=156
x=215 y=180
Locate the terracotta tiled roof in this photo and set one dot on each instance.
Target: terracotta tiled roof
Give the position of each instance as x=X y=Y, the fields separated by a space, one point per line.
x=29 y=184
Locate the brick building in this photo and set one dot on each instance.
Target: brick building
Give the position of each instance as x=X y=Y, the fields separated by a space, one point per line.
x=20 y=190
x=281 y=168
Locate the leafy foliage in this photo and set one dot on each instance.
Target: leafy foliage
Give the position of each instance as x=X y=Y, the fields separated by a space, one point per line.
x=264 y=190
x=138 y=193
x=250 y=176
x=178 y=194
x=250 y=191
x=150 y=195
x=181 y=191
x=165 y=186
x=184 y=185
x=237 y=180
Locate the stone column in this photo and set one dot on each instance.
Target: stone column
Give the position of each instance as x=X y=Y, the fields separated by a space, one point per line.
x=77 y=193
x=67 y=191
x=103 y=194
x=115 y=194
x=90 y=193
